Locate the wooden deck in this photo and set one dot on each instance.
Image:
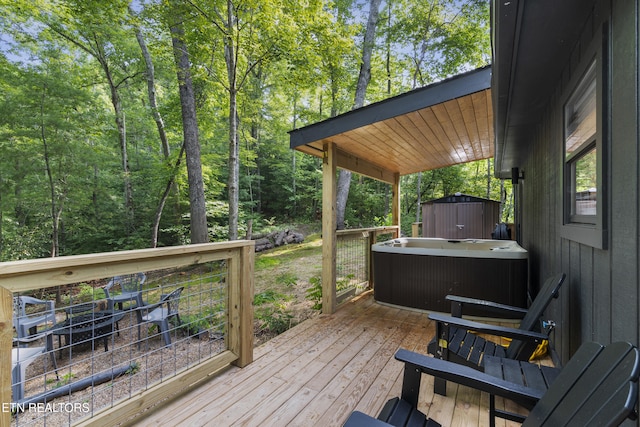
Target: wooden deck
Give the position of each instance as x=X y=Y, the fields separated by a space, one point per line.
x=319 y=371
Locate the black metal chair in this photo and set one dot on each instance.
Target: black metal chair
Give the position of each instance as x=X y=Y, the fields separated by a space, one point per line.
x=457 y=339
x=597 y=387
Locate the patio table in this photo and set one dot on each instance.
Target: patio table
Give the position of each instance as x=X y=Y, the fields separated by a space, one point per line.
x=88 y=327
x=73 y=310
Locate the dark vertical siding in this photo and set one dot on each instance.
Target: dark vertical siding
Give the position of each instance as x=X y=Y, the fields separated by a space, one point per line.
x=624 y=171
x=600 y=299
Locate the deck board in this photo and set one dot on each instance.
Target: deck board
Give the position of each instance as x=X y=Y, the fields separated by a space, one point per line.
x=318 y=372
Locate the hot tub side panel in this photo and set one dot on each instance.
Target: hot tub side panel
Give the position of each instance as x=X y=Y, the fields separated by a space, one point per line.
x=423 y=281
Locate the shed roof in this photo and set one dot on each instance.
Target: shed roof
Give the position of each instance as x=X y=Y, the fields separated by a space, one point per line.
x=445 y=123
x=459 y=198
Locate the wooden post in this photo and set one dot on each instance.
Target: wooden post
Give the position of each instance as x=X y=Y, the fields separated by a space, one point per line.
x=368 y=256
x=329 y=224
x=395 y=195
x=6 y=336
x=241 y=305
x=246 y=306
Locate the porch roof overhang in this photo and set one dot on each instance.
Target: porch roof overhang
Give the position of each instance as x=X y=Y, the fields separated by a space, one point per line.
x=532 y=45
x=445 y=123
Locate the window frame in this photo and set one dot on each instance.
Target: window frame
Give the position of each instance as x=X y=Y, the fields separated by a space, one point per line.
x=589 y=229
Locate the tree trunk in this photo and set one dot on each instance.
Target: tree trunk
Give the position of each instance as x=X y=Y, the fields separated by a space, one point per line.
x=162 y=134
x=234 y=161
x=163 y=200
x=55 y=215
x=488 y=178
x=151 y=89
x=199 y=232
x=122 y=138
x=344 y=177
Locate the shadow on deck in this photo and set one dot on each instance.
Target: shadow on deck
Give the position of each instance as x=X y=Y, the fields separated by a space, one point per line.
x=318 y=372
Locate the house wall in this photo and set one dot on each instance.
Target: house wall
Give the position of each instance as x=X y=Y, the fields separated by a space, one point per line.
x=600 y=300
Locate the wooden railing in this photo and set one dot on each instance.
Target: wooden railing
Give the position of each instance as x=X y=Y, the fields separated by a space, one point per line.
x=29 y=275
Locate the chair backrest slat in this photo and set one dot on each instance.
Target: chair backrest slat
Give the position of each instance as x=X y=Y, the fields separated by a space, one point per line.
x=173 y=300
x=43 y=312
x=596 y=384
x=130 y=283
x=549 y=291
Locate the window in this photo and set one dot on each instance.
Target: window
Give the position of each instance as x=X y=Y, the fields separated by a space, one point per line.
x=584 y=134
x=581 y=152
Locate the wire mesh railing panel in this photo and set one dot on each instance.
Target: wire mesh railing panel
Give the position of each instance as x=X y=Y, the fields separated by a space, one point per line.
x=92 y=351
x=384 y=236
x=352 y=265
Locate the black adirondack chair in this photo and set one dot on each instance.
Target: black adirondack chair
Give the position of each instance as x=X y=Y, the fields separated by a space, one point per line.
x=597 y=387
x=457 y=341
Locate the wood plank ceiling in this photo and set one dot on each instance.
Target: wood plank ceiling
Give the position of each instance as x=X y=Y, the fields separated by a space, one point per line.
x=447 y=123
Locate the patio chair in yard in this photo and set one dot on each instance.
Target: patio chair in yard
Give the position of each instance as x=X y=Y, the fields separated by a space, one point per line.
x=130 y=290
x=22 y=357
x=29 y=313
x=159 y=314
x=597 y=387
x=457 y=339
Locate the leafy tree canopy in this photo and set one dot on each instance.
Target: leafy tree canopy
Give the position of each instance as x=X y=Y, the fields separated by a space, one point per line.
x=83 y=168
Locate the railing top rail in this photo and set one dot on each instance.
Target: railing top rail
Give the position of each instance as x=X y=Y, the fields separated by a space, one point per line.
x=23 y=275
x=388 y=228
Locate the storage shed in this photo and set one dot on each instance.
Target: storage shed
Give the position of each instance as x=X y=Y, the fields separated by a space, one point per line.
x=460 y=216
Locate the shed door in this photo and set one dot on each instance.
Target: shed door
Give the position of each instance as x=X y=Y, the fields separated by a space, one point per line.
x=458 y=220
x=471 y=220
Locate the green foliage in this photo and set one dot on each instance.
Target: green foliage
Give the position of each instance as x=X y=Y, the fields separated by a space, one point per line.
x=266 y=262
x=274 y=320
x=195 y=323
x=61 y=171
x=314 y=292
x=287 y=279
x=271 y=313
x=344 y=282
x=62 y=381
x=133 y=368
x=88 y=293
x=270 y=296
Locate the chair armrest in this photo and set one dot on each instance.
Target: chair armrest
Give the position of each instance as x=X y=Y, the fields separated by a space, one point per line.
x=358 y=419
x=458 y=303
x=416 y=363
x=31 y=338
x=500 y=331
x=107 y=287
x=150 y=307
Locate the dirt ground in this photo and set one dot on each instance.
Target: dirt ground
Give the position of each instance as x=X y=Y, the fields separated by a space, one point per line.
x=288 y=271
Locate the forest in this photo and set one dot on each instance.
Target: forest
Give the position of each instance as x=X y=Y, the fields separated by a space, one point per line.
x=146 y=123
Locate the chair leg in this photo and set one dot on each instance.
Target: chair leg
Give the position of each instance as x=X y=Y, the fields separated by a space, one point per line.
x=442 y=335
x=139 y=318
x=17 y=386
x=164 y=329
x=52 y=354
x=492 y=410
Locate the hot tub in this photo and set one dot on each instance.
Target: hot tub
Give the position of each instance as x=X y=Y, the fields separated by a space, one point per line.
x=420 y=272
